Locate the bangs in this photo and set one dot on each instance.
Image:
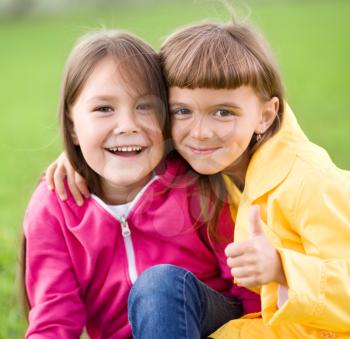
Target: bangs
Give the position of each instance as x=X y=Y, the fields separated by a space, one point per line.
x=137 y=63
x=139 y=70
x=142 y=77
x=210 y=57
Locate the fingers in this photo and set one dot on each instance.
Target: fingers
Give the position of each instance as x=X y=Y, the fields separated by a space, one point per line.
x=58 y=179
x=49 y=175
x=234 y=250
x=58 y=171
x=248 y=282
x=240 y=273
x=240 y=261
x=247 y=276
x=254 y=221
x=82 y=185
x=74 y=189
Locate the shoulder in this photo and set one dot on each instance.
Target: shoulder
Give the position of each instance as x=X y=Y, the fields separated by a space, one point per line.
x=42 y=200
x=47 y=212
x=42 y=211
x=314 y=189
x=314 y=168
x=313 y=182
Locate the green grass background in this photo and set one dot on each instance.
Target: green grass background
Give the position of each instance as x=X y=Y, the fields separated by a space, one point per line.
x=310 y=40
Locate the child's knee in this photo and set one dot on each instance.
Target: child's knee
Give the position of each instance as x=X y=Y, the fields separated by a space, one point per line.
x=155 y=281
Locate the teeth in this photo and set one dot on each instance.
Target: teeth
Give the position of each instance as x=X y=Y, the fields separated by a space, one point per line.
x=126 y=149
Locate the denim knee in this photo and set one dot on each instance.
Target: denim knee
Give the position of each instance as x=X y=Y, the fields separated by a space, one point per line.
x=154 y=281
x=157 y=284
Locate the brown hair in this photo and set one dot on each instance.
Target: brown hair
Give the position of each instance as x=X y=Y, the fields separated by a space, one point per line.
x=140 y=69
x=222 y=56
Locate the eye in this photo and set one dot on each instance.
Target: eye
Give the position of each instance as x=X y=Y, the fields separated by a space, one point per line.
x=181 y=111
x=145 y=107
x=223 y=113
x=104 y=109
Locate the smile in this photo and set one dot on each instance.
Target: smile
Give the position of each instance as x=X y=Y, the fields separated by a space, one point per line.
x=126 y=151
x=203 y=150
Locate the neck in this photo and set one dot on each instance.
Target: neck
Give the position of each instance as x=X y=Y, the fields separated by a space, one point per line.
x=237 y=171
x=118 y=194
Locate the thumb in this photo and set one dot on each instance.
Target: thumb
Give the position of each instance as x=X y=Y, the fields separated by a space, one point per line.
x=255 y=225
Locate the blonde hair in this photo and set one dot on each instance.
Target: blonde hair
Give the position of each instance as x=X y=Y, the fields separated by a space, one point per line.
x=222 y=56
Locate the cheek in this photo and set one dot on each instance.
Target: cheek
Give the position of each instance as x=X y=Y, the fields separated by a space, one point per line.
x=150 y=123
x=158 y=140
x=155 y=135
x=227 y=132
x=91 y=138
x=177 y=131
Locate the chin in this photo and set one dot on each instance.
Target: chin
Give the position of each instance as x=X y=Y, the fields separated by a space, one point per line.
x=205 y=170
x=128 y=181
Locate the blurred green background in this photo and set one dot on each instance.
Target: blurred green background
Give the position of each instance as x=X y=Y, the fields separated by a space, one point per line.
x=310 y=40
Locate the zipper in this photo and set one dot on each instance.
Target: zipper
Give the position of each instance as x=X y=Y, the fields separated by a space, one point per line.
x=125 y=227
x=130 y=253
x=126 y=233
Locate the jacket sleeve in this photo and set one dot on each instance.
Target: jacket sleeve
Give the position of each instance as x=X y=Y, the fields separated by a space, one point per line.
x=56 y=307
x=318 y=275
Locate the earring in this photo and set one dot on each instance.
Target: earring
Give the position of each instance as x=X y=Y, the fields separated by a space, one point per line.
x=258 y=137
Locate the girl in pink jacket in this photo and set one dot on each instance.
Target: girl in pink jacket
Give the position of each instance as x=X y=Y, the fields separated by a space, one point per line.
x=82 y=261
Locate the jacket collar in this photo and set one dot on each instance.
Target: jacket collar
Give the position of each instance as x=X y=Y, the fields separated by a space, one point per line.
x=271 y=163
x=174 y=171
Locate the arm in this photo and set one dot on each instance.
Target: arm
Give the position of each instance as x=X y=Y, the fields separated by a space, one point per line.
x=318 y=274
x=255 y=262
x=55 y=174
x=250 y=299
x=57 y=310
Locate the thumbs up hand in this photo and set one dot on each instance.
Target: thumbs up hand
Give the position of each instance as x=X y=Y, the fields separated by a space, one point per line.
x=255 y=262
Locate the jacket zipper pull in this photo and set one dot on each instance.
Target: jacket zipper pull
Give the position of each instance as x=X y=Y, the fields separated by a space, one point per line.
x=125 y=227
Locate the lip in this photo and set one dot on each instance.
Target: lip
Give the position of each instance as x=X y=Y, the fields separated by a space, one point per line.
x=127 y=145
x=127 y=155
x=203 y=150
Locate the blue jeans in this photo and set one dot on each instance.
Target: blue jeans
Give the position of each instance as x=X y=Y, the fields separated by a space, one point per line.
x=169 y=302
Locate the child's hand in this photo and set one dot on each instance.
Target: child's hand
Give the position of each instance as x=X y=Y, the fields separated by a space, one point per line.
x=55 y=175
x=255 y=262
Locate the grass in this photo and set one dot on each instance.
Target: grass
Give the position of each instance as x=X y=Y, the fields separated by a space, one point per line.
x=310 y=40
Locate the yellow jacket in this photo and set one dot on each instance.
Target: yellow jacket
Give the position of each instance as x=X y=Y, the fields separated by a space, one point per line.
x=305 y=208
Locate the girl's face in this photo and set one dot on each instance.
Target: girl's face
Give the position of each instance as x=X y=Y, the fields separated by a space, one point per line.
x=117 y=130
x=212 y=128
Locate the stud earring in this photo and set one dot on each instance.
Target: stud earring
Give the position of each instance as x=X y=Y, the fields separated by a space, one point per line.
x=258 y=137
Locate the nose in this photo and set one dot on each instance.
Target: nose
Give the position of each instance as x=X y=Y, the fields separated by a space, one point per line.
x=126 y=123
x=201 y=129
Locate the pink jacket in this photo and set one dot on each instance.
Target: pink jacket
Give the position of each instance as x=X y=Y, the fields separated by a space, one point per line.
x=82 y=261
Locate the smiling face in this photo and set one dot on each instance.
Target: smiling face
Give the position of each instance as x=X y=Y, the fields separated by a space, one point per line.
x=212 y=128
x=117 y=130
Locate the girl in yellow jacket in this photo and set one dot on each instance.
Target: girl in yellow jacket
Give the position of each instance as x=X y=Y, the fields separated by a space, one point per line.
x=230 y=122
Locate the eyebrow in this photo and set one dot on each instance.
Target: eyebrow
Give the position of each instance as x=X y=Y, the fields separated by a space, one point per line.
x=177 y=103
x=221 y=104
x=102 y=97
x=226 y=104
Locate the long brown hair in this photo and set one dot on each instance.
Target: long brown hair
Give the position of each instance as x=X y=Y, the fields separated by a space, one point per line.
x=222 y=56
x=140 y=69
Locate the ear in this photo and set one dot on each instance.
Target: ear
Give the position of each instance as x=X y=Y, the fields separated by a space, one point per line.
x=268 y=115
